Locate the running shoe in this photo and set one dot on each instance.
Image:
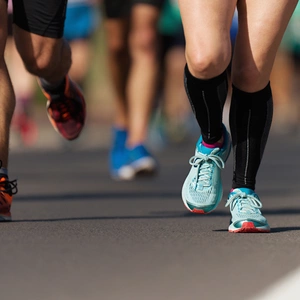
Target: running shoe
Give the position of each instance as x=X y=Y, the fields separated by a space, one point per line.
x=141 y=161
x=7 y=190
x=126 y=163
x=67 y=112
x=202 y=190
x=119 y=157
x=245 y=207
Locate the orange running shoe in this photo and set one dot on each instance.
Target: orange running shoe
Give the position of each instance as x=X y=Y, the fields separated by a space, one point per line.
x=67 y=113
x=7 y=190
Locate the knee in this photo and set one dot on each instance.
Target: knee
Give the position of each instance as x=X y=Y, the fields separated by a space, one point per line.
x=116 y=46
x=143 y=42
x=249 y=78
x=206 y=63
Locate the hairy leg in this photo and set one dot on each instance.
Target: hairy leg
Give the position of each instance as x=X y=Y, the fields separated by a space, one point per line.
x=7 y=102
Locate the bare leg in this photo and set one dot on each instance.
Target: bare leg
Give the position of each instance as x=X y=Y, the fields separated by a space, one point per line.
x=207 y=33
x=24 y=90
x=26 y=86
x=175 y=103
x=7 y=103
x=50 y=60
x=81 y=57
x=118 y=62
x=44 y=57
x=175 y=106
x=261 y=27
x=143 y=74
x=285 y=102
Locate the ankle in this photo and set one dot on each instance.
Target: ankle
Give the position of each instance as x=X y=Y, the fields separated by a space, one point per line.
x=218 y=144
x=56 y=88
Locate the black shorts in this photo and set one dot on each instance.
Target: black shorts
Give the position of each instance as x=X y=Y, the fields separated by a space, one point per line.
x=42 y=17
x=121 y=8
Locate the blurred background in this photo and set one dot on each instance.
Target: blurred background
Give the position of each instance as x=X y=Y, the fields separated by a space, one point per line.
x=78 y=235
x=172 y=120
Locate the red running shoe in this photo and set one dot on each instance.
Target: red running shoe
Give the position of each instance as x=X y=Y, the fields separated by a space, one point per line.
x=67 y=113
x=7 y=190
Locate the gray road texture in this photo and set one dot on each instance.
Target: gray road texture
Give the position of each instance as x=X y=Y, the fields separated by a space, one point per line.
x=78 y=235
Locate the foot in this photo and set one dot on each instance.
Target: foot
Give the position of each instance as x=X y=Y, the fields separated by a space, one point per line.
x=125 y=164
x=202 y=190
x=245 y=211
x=7 y=190
x=118 y=157
x=141 y=161
x=66 y=112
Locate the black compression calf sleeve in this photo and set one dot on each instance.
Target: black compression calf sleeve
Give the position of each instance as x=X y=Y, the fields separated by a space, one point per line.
x=207 y=98
x=250 y=122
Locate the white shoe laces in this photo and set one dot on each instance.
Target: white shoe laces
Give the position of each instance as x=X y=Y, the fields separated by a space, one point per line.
x=204 y=163
x=246 y=203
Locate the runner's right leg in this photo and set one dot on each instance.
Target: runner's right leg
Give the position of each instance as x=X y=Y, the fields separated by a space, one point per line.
x=208 y=53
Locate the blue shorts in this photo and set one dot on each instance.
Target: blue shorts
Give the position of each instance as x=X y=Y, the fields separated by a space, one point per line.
x=81 y=21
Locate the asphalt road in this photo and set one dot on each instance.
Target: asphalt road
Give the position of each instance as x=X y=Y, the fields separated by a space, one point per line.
x=76 y=234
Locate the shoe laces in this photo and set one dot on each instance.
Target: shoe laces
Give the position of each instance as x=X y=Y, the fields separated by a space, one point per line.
x=205 y=163
x=246 y=203
x=7 y=186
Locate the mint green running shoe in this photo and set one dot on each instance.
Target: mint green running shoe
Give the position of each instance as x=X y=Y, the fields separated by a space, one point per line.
x=245 y=207
x=202 y=190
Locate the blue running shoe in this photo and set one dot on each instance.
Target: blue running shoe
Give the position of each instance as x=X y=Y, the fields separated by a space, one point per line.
x=142 y=161
x=245 y=211
x=202 y=190
x=119 y=157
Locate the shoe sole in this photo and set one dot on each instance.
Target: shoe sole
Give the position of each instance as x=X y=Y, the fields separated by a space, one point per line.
x=249 y=227
x=53 y=123
x=200 y=211
x=141 y=167
x=124 y=174
x=144 y=166
x=5 y=219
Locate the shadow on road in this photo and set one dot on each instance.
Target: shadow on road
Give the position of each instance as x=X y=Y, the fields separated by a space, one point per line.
x=273 y=229
x=169 y=215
